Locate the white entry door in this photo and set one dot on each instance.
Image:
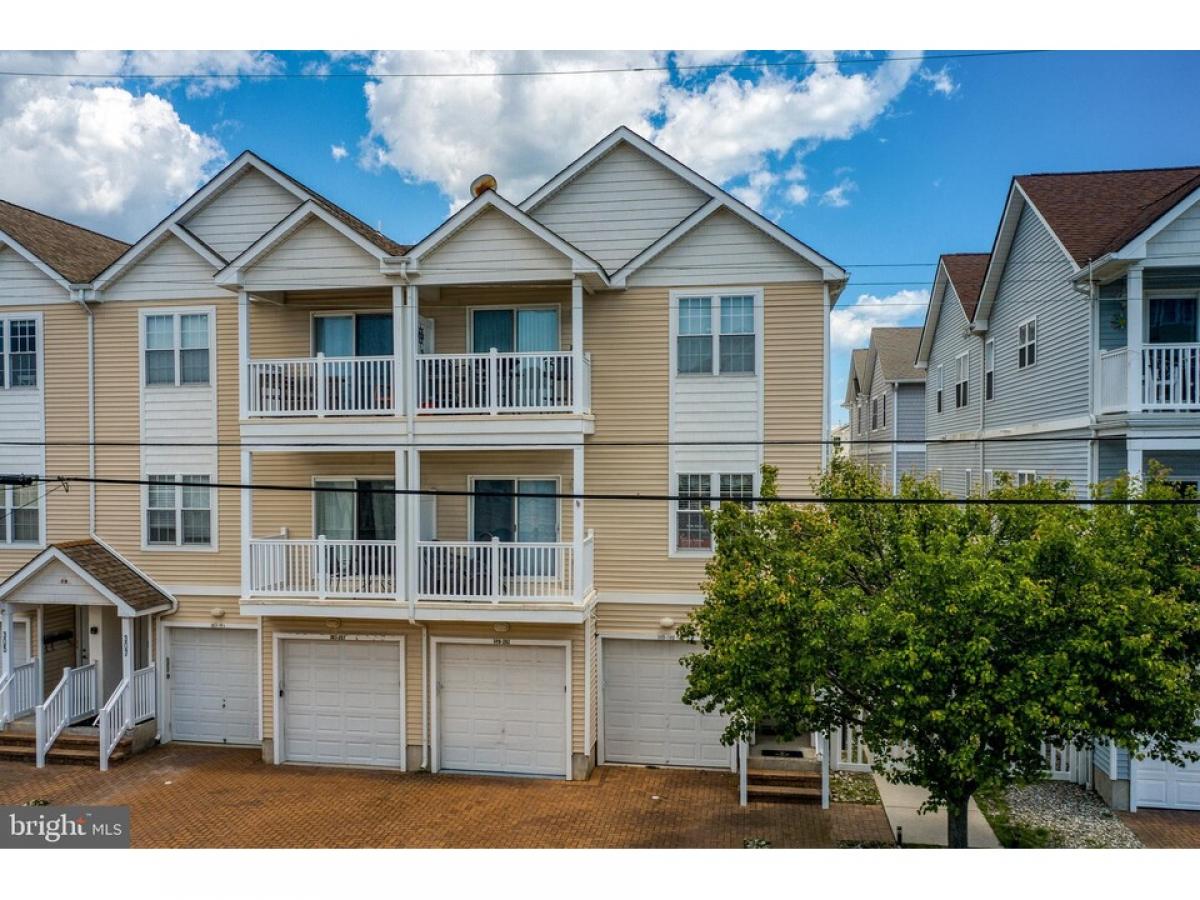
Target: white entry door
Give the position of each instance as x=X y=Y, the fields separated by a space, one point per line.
x=212 y=679
x=502 y=708
x=645 y=721
x=1162 y=785
x=20 y=643
x=343 y=702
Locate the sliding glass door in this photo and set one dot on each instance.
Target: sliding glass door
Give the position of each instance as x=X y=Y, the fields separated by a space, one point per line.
x=525 y=519
x=360 y=510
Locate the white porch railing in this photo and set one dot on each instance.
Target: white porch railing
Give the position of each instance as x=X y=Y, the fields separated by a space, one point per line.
x=134 y=700
x=1114 y=376
x=850 y=754
x=497 y=382
x=323 y=568
x=19 y=691
x=1066 y=763
x=322 y=386
x=495 y=571
x=1171 y=376
x=73 y=699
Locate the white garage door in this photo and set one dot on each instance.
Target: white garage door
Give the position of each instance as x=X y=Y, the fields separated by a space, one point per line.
x=213 y=683
x=343 y=702
x=502 y=708
x=1165 y=786
x=20 y=643
x=644 y=719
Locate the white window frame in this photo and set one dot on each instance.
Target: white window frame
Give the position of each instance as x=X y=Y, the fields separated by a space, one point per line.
x=989 y=481
x=1024 y=477
x=941 y=386
x=1023 y=343
x=177 y=314
x=513 y=308
x=970 y=478
x=714 y=296
x=874 y=413
x=7 y=508
x=989 y=370
x=318 y=480
x=212 y=546
x=351 y=314
x=6 y=354
x=962 y=380
x=516 y=479
x=714 y=503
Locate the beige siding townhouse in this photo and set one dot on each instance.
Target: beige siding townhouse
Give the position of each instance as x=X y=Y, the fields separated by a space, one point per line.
x=415 y=581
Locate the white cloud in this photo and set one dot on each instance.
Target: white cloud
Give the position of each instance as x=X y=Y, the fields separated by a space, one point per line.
x=524 y=129
x=837 y=196
x=796 y=194
x=754 y=192
x=939 y=81
x=687 y=58
x=204 y=71
x=316 y=68
x=850 y=326
x=338 y=152
x=93 y=152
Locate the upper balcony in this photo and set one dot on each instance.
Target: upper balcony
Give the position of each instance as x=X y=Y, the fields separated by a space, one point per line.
x=1167 y=380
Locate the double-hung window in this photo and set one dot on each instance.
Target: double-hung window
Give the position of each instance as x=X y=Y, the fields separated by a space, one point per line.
x=941 y=376
x=716 y=335
x=961 y=375
x=179 y=511
x=883 y=410
x=695 y=495
x=874 y=413
x=20 y=514
x=1027 y=344
x=177 y=349
x=989 y=370
x=1026 y=476
x=18 y=353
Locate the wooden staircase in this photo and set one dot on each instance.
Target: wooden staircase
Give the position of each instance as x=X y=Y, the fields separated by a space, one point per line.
x=77 y=745
x=783 y=772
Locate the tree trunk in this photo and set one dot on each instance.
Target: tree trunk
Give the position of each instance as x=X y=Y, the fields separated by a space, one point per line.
x=956 y=824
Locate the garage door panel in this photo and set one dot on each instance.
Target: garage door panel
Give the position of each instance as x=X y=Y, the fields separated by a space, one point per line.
x=645 y=719
x=1160 y=784
x=343 y=702
x=213 y=685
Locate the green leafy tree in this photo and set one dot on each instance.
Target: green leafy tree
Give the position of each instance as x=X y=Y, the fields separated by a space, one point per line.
x=958 y=638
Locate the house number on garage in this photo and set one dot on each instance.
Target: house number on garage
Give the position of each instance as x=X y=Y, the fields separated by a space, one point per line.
x=501 y=642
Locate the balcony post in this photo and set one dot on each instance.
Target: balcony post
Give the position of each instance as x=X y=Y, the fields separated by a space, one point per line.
x=412 y=532
x=1134 y=310
x=577 y=345
x=405 y=547
x=494 y=381
x=321 y=385
x=7 y=653
x=408 y=354
x=247 y=520
x=322 y=567
x=245 y=385
x=494 y=552
x=577 y=521
x=126 y=669
x=400 y=342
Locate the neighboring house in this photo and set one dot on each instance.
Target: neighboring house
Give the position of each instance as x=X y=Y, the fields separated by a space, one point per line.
x=1078 y=332
x=885 y=398
x=839 y=438
x=623 y=330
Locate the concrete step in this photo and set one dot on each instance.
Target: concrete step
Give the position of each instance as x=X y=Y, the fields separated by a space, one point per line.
x=782 y=793
x=74 y=745
x=763 y=761
x=783 y=778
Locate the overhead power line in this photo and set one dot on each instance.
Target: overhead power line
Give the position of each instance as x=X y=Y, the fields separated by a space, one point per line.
x=655 y=498
x=522 y=73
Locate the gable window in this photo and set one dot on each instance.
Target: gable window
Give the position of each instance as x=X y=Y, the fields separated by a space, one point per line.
x=961 y=375
x=18 y=353
x=1027 y=344
x=177 y=349
x=941 y=379
x=179 y=511
x=20 y=516
x=989 y=370
x=716 y=335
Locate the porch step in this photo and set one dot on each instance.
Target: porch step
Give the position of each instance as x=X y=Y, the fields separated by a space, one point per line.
x=77 y=746
x=783 y=786
x=781 y=763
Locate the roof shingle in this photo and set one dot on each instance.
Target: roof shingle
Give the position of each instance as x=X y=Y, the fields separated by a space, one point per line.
x=114 y=573
x=966 y=271
x=896 y=353
x=77 y=254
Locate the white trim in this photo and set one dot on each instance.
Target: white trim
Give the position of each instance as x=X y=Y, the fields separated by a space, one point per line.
x=1025 y=323
x=277 y=640
x=53 y=554
x=7 y=240
x=163 y=648
x=197 y=246
x=434 y=717
x=990 y=343
x=514 y=308
x=1136 y=248
x=1074 y=423
x=676 y=233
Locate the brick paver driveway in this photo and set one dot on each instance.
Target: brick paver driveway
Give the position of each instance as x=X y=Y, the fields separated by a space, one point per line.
x=1165 y=829
x=188 y=796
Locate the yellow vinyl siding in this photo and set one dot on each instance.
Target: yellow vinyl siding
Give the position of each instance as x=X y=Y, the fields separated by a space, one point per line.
x=285 y=332
x=119 y=507
x=199 y=610
x=639 y=618
x=294 y=510
x=451 y=309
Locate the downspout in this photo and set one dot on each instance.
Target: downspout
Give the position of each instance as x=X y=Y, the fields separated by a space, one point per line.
x=982 y=406
x=424 y=698
x=91 y=408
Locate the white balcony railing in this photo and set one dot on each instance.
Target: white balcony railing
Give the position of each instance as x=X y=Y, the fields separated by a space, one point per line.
x=322 y=386
x=1114 y=376
x=495 y=571
x=20 y=691
x=1170 y=377
x=497 y=382
x=323 y=568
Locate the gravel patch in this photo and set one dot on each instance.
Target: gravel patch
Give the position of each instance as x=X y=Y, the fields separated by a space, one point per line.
x=1077 y=817
x=853 y=787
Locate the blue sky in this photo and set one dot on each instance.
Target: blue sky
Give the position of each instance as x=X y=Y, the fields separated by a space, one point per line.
x=871 y=160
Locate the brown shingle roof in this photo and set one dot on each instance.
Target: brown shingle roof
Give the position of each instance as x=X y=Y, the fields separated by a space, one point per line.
x=114 y=573
x=1094 y=213
x=860 y=361
x=77 y=254
x=966 y=271
x=896 y=353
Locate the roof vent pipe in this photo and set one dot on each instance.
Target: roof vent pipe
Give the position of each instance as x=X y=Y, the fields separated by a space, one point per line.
x=483 y=183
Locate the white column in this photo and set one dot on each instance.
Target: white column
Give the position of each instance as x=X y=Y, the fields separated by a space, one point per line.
x=826 y=752
x=400 y=348
x=1133 y=461
x=577 y=345
x=406 y=548
x=1133 y=341
x=413 y=508
x=825 y=454
x=577 y=523
x=247 y=524
x=127 y=648
x=7 y=651
x=243 y=354
x=409 y=357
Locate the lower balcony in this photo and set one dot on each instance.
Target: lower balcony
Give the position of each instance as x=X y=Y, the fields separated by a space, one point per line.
x=446 y=571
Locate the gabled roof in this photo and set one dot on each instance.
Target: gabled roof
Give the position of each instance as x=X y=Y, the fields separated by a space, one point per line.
x=102 y=568
x=966 y=272
x=1093 y=213
x=859 y=380
x=76 y=254
x=896 y=353
x=623 y=134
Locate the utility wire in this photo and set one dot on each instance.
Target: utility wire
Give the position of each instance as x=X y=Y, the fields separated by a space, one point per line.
x=655 y=498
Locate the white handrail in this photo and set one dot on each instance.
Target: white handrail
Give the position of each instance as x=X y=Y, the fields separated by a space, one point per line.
x=144 y=694
x=73 y=698
x=464 y=383
x=496 y=571
x=1171 y=376
x=322 y=386
x=1113 y=377
x=114 y=719
x=19 y=691
x=323 y=568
